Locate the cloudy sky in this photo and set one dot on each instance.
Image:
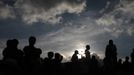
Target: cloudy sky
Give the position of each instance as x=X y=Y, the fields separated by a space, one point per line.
x=65 y=25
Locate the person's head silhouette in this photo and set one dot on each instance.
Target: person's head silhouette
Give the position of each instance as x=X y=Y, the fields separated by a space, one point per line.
x=15 y=42
x=87 y=47
x=76 y=52
x=32 y=40
x=111 y=42
x=126 y=58
x=94 y=57
x=9 y=43
x=120 y=61
x=50 y=55
x=57 y=56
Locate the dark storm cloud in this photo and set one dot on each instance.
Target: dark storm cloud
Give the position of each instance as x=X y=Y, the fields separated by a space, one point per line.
x=8 y=2
x=48 y=4
x=48 y=10
x=51 y=11
x=33 y=11
x=17 y=29
x=100 y=4
x=101 y=7
x=6 y=11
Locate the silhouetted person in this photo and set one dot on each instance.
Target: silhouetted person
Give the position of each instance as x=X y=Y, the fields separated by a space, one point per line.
x=11 y=52
x=7 y=52
x=119 y=62
x=48 y=65
x=87 y=54
x=127 y=66
x=110 y=59
x=132 y=61
x=75 y=56
x=119 y=65
x=49 y=59
x=132 y=57
x=58 y=58
x=111 y=53
x=126 y=62
x=57 y=64
x=12 y=58
x=50 y=55
x=32 y=54
x=93 y=67
x=119 y=68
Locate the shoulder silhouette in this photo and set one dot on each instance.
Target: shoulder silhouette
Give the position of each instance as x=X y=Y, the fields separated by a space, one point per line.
x=31 y=51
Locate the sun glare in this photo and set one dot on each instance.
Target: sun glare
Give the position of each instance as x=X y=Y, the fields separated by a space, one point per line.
x=81 y=53
x=79 y=56
x=81 y=49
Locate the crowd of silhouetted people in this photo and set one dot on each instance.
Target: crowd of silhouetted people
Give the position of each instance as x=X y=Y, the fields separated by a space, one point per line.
x=29 y=62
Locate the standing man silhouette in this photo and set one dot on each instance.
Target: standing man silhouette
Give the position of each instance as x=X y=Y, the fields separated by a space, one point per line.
x=111 y=53
x=32 y=54
x=75 y=57
x=87 y=52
